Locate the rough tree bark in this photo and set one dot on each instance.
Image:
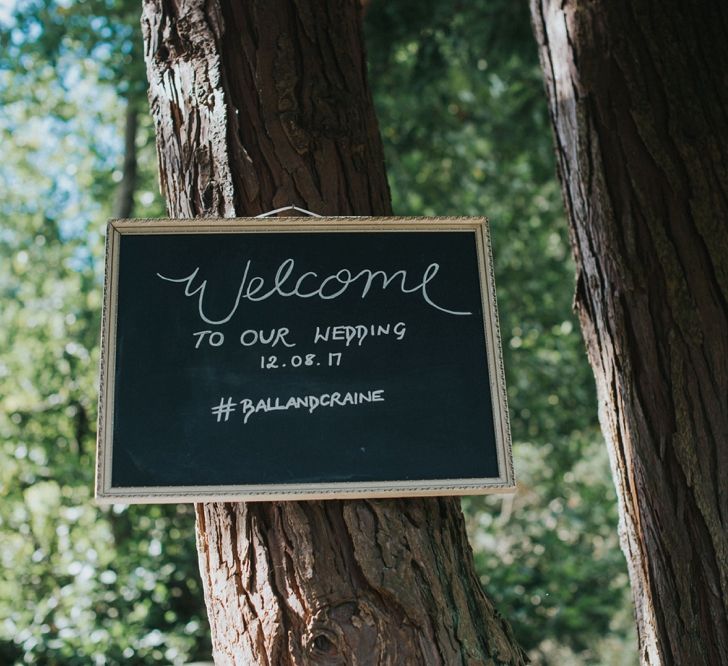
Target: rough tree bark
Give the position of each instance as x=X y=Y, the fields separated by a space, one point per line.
x=259 y=105
x=638 y=96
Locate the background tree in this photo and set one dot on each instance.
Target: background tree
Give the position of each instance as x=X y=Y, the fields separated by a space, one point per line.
x=638 y=99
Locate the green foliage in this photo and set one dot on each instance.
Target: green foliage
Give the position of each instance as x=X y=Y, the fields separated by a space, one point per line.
x=44 y=32
x=462 y=113
x=80 y=584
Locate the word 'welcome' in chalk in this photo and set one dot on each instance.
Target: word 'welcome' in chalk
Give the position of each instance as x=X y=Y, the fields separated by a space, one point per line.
x=339 y=282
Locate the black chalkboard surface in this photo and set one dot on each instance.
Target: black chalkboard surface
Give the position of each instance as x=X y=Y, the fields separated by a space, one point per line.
x=291 y=359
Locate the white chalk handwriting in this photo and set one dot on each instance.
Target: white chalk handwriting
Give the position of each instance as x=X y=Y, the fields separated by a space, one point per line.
x=309 y=285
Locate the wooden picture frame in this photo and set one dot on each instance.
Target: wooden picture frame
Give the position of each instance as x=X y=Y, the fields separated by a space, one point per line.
x=107 y=491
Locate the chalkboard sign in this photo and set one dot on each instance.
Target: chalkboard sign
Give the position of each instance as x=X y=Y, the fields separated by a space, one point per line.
x=295 y=359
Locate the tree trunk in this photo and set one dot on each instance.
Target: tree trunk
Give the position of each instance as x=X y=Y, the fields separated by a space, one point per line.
x=638 y=97
x=127 y=185
x=259 y=105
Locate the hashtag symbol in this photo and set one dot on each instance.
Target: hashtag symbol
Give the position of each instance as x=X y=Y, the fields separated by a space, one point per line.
x=223 y=409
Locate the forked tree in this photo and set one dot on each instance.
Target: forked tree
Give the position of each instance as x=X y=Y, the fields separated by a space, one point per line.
x=638 y=94
x=260 y=105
